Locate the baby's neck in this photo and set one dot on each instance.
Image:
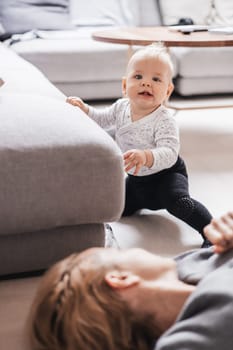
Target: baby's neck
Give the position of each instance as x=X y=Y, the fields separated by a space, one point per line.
x=137 y=114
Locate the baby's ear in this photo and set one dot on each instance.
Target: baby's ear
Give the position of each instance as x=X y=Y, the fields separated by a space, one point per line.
x=170 y=90
x=123 y=87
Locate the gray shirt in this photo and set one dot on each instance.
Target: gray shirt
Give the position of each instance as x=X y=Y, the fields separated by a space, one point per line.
x=206 y=320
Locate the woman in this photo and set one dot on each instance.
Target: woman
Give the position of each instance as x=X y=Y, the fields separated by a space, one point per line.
x=132 y=299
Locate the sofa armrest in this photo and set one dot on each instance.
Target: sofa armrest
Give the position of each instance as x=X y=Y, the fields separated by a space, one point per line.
x=58 y=167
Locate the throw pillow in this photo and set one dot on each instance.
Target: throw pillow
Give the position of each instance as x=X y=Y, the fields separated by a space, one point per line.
x=104 y=12
x=149 y=13
x=223 y=14
x=20 y=16
x=172 y=11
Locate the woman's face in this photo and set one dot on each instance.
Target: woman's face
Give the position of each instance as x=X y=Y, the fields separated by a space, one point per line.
x=135 y=260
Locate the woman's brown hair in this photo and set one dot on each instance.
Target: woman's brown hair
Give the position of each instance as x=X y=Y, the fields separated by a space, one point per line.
x=75 y=309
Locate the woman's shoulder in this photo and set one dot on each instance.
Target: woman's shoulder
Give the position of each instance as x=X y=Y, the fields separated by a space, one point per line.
x=205 y=322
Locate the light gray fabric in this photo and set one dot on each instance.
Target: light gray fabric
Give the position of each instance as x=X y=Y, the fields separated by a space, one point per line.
x=58 y=168
x=149 y=13
x=172 y=11
x=224 y=12
x=61 y=176
x=205 y=323
x=22 y=77
x=2 y=30
x=205 y=85
x=68 y=61
x=215 y=61
x=104 y=12
x=209 y=77
x=92 y=91
x=37 y=250
x=19 y=16
x=75 y=60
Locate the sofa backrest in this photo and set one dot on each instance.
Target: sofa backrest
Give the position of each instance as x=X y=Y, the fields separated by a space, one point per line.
x=209 y=12
x=115 y=12
x=20 y=16
x=149 y=13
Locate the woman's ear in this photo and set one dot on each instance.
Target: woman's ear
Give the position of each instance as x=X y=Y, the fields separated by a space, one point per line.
x=121 y=279
x=123 y=86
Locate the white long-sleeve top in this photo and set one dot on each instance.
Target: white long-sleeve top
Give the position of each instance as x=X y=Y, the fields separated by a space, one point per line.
x=157 y=131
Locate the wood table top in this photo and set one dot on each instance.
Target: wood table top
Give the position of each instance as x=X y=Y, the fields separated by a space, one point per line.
x=149 y=35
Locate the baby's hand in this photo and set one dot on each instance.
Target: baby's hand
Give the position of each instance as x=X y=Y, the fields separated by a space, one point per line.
x=220 y=232
x=134 y=158
x=78 y=102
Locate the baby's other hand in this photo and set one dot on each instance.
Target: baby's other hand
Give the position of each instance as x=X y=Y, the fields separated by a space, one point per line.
x=220 y=232
x=134 y=158
x=78 y=102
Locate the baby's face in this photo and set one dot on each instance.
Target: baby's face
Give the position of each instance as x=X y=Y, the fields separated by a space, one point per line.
x=148 y=83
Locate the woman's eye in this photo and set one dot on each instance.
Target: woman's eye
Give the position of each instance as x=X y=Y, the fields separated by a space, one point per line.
x=138 y=76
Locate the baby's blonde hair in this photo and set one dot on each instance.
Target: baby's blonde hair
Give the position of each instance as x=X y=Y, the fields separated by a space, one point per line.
x=155 y=50
x=75 y=309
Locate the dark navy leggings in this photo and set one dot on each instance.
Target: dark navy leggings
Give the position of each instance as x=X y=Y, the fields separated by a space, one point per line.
x=168 y=189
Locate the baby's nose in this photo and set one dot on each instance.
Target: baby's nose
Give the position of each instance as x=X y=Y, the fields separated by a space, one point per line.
x=146 y=83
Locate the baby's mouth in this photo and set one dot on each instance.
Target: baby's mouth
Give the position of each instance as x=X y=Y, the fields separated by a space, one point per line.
x=145 y=93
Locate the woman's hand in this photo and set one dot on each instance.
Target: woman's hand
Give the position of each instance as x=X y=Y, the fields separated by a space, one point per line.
x=220 y=232
x=137 y=158
x=78 y=102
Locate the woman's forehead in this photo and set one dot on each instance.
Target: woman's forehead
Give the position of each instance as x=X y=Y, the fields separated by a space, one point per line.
x=97 y=254
x=114 y=256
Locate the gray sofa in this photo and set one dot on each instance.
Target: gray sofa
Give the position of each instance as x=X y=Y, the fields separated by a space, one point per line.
x=61 y=175
x=78 y=65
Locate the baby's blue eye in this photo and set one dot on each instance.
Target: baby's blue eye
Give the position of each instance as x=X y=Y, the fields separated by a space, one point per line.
x=138 y=76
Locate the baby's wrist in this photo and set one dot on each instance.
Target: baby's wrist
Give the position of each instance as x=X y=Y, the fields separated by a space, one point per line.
x=86 y=108
x=149 y=158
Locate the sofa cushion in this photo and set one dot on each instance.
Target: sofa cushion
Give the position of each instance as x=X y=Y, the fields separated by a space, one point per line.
x=19 y=16
x=80 y=59
x=58 y=167
x=37 y=250
x=149 y=13
x=104 y=12
x=172 y=11
x=223 y=14
x=22 y=77
x=188 y=62
x=112 y=12
x=204 y=86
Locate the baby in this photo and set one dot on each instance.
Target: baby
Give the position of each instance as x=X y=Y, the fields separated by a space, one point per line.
x=148 y=136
